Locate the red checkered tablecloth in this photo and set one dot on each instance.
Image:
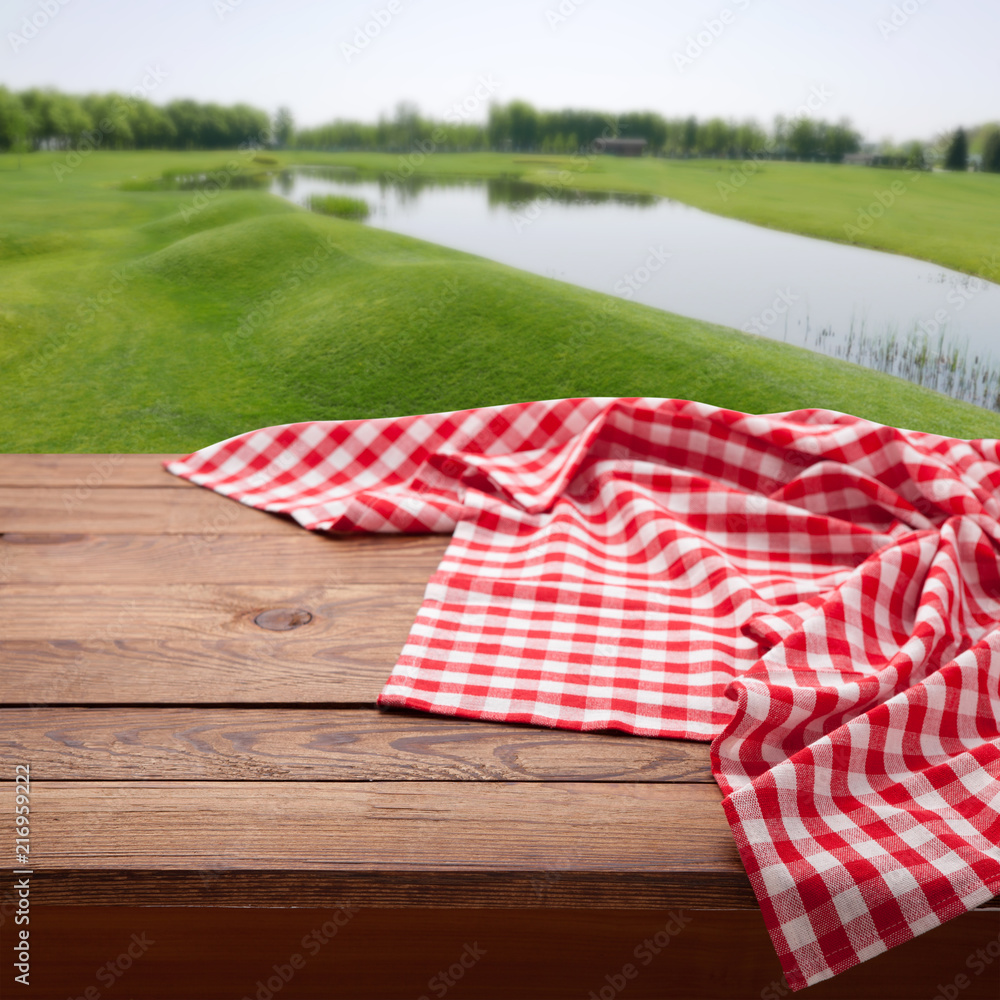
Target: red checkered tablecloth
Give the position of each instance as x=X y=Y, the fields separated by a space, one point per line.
x=817 y=594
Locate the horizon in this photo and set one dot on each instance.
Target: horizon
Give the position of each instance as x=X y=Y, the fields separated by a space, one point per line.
x=737 y=60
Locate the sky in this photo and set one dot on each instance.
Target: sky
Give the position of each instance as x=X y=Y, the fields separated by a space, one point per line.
x=906 y=69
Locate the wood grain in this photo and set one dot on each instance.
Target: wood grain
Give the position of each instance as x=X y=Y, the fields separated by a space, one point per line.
x=204 y=611
x=132 y=510
x=393 y=889
x=282 y=559
x=121 y=585
x=279 y=669
x=407 y=828
x=87 y=471
x=309 y=745
x=214 y=953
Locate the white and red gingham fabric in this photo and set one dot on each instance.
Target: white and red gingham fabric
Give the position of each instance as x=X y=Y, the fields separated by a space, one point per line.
x=817 y=594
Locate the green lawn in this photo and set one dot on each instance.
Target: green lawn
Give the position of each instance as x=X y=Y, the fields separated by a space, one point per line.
x=132 y=321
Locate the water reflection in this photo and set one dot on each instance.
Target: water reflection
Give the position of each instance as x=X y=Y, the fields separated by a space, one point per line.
x=922 y=322
x=213 y=179
x=517 y=193
x=504 y=190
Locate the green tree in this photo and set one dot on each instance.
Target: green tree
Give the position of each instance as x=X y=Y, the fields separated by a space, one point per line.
x=957 y=157
x=406 y=126
x=689 y=135
x=151 y=126
x=284 y=127
x=523 y=125
x=112 y=119
x=646 y=125
x=749 y=138
x=991 y=150
x=498 y=126
x=805 y=138
x=57 y=119
x=915 y=158
x=840 y=139
x=185 y=118
x=715 y=138
x=15 y=124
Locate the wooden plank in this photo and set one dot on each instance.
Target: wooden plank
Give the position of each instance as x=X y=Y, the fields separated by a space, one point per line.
x=132 y=510
x=279 y=889
x=434 y=843
x=205 y=611
x=345 y=670
x=283 y=559
x=215 y=953
x=310 y=745
x=82 y=472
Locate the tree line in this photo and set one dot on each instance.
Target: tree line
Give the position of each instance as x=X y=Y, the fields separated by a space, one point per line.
x=49 y=119
x=960 y=142
x=520 y=127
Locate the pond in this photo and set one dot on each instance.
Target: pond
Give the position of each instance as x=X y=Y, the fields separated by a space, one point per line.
x=914 y=319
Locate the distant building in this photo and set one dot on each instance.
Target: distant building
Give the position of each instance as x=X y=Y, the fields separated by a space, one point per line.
x=897 y=161
x=620 y=147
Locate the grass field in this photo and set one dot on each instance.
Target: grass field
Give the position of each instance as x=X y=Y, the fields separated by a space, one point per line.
x=949 y=218
x=139 y=321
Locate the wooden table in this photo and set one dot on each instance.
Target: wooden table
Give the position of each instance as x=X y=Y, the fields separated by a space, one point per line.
x=192 y=684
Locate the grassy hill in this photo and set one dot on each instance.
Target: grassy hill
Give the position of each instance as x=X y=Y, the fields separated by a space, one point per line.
x=135 y=321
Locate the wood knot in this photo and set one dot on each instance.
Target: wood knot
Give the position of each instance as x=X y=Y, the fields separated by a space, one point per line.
x=282 y=619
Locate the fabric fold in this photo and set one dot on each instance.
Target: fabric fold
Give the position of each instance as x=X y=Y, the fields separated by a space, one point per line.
x=816 y=594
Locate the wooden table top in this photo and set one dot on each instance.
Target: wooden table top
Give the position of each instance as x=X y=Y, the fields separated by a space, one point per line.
x=182 y=754
x=192 y=683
